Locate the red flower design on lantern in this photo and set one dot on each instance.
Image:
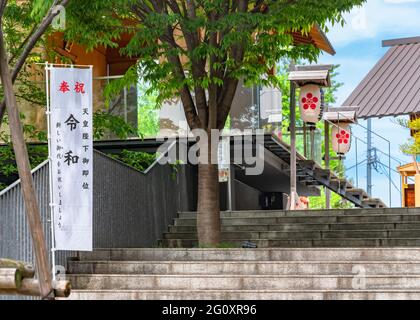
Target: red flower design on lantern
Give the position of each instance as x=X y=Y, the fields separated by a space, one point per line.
x=343 y=137
x=309 y=101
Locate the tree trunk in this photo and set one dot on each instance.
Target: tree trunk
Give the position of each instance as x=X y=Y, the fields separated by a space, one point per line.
x=208 y=215
x=22 y=160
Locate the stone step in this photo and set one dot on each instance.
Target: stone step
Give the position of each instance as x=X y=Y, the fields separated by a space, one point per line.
x=305 y=213
x=259 y=254
x=306 y=227
x=338 y=234
x=381 y=218
x=245 y=295
x=244 y=267
x=304 y=243
x=242 y=282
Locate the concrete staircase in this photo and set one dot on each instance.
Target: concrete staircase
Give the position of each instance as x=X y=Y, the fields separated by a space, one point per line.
x=278 y=273
x=398 y=227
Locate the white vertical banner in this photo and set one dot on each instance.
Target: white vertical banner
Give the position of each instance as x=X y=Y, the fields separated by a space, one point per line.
x=71 y=152
x=224 y=159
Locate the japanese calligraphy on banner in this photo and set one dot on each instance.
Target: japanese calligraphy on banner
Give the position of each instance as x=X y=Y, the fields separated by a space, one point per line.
x=71 y=151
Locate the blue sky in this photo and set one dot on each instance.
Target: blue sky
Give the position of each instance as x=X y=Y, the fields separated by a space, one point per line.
x=359 y=47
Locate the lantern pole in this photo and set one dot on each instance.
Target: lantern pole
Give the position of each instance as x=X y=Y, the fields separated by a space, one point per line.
x=327 y=161
x=305 y=141
x=312 y=136
x=357 y=166
x=293 y=189
x=369 y=155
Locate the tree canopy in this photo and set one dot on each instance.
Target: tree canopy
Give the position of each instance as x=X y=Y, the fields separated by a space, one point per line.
x=191 y=48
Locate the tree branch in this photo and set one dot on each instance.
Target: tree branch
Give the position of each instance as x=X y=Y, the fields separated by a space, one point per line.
x=3 y=4
x=197 y=65
x=160 y=7
x=32 y=40
x=230 y=84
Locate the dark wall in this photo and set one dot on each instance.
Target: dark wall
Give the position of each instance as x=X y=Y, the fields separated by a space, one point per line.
x=132 y=209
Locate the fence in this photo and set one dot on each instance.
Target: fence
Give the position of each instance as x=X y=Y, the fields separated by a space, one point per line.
x=131 y=209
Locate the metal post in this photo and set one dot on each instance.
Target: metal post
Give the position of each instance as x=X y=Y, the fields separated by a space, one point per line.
x=312 y=131
x=369 y=158
x=357 y=166
x=50 y=170
x=231 y=188
x=389 y=174
x=305 y=141
x=293 y=189
x=327 y=161
x=125 y=105
x=258 y=105
x=401 y=191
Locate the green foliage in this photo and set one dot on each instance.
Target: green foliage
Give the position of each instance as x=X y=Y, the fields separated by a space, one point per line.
x=143 y=160
x=222 y=40
x=18 y=21
x=30 y=131
x=8 y=168
x=175 y=168
x=96 y=22
x=412 y=146
x=104 y=123
x=138 y=160
x=262 y=36
x=37 y=154
x=337 y=202
x=148 y=113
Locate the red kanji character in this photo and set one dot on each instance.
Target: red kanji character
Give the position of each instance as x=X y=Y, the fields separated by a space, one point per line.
x=79 y=87
x=64 y=87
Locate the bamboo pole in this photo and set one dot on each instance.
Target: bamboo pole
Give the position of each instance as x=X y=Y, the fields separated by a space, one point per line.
x=10 y=279
x=24 y=169
x=30 y=287
x=27 y=270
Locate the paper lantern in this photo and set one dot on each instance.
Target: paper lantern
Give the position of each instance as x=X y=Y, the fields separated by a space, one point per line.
x=310 y=103
x=341 y=138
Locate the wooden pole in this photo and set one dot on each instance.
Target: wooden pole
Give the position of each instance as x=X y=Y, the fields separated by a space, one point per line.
x=327 y=161
x=31 y=287
x=293 y=188
x=27 y=270
x=312 y=132
x=10 y=279
x=24 y=169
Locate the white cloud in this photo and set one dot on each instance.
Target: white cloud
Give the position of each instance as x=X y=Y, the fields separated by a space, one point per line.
x=394 y=17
